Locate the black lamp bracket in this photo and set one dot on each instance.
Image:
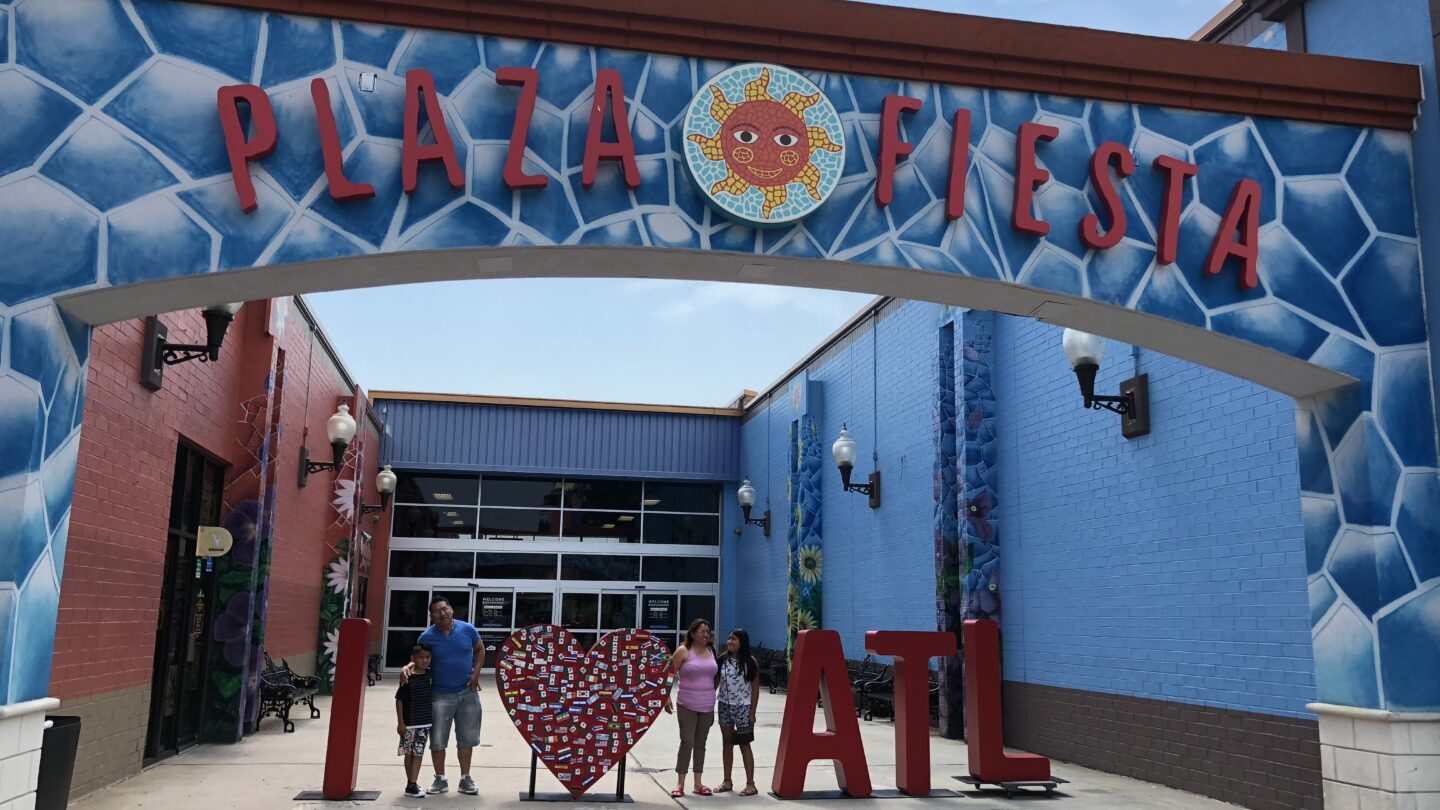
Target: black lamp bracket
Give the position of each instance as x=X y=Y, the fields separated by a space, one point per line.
x=763 y=521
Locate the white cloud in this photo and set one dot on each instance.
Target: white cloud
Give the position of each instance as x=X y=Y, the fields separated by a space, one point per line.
x=695 y=298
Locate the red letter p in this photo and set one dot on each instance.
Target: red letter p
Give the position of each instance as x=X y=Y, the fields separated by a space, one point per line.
x=241 y=151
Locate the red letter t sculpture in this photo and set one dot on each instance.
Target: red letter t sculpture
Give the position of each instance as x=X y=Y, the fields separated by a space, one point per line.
x=912 y=651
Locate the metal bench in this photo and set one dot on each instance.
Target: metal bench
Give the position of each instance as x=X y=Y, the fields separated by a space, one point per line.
x=281 y=689
x=878 y=693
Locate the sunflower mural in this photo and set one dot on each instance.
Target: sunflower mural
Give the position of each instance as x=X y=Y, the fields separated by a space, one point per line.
x=764 y=144
x=804 y=558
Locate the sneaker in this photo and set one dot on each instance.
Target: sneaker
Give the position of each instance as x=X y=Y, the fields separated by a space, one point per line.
x=440 y=785
x=467 y=785
x=413 y=791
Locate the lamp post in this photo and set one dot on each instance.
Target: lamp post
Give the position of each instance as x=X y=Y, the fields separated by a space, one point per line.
x=1085 y=353
x=746 y=496
x=159 y=353
x=844 y=452
x=385 y=483
x=340 y=430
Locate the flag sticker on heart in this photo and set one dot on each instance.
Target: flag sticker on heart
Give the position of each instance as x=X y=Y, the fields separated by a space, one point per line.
x=580 y=711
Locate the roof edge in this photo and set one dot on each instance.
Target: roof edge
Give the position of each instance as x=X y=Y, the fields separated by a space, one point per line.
x=930 y=46
x=539 y=402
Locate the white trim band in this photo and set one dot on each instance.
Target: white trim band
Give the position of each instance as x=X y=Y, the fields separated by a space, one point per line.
x=28 y=707
x=1357 y=713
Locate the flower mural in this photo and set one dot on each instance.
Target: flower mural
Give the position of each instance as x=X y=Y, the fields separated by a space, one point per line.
x=243 y=523
x=810 y=565
x=334 y=598
x=948 y=592
x=331 y=645
x=803 y=559
x=337 y=576
x=344 y=501
x=980 y=568
x=232 y=628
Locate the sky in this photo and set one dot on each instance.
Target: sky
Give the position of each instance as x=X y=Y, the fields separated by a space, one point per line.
x=669 y=342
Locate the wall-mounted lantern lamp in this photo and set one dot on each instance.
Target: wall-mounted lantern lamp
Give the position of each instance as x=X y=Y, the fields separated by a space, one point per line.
x=159 y=354
x=340 y=430
x=844 y=452
x=1085 y=352
x=385 y=483
x=746 y=494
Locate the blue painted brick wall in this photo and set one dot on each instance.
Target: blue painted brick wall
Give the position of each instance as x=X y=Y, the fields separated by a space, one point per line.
x=878 y=564
x=1170 y=566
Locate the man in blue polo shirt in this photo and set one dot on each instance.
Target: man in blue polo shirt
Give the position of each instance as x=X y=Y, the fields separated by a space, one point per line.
x=457 y=655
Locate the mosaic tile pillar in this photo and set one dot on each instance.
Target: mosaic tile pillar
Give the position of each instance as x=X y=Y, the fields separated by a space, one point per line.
x=1371 y=504
x=43 y=358
x=948 y=593
x=804 y=558
x=242 y=577
x=980 y=568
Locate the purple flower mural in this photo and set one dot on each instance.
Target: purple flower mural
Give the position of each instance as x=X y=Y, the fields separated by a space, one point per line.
x=232 y=628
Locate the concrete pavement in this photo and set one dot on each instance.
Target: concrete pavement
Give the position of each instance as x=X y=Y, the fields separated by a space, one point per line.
x=269 y=768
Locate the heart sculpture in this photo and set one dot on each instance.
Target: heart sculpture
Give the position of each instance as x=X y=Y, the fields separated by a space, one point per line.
x=582 y=712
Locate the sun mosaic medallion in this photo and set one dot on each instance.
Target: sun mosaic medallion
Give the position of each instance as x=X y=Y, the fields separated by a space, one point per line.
x=764 y=144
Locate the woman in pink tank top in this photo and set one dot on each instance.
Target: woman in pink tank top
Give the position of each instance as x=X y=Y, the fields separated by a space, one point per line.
x=694 y=666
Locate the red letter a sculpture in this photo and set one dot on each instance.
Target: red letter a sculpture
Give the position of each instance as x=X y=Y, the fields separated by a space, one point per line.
x=984 y=726
x=819 y=671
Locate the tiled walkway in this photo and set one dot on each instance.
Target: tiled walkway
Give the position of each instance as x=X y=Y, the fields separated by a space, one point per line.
x=269 y=768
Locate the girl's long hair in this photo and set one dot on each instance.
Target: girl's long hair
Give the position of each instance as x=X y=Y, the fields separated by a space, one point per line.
x=749 y=667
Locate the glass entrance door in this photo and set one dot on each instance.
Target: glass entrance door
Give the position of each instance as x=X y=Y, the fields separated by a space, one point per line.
x=495 y=619
x=659 y=613
x=580 y=614
x=182 y=628
x=619 y=610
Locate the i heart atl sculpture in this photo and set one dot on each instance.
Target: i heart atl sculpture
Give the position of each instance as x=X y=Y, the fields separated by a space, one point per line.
x=580 y=711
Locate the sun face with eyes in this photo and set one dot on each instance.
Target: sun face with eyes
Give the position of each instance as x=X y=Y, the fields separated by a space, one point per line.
x=765 y=144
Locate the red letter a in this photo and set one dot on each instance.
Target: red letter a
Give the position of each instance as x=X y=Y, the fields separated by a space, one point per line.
x=819 y=671
x=984 y=725
x=419 y=82
x=608 y=81
x=912 y=651
x=1243 y=213
x=240 y=150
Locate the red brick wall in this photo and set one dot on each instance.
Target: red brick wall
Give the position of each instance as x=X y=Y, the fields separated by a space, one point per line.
x=308 y=527
x=115 y=558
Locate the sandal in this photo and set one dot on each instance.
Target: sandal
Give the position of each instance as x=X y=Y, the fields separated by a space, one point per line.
x=703 y=791
x=677 y=793
x=749 y=790
x=725 y=787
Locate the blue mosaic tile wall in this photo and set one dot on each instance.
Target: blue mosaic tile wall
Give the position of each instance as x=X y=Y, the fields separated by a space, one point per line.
x=113 y=171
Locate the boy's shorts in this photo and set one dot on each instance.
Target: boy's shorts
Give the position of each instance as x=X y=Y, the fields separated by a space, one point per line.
x=414 y=741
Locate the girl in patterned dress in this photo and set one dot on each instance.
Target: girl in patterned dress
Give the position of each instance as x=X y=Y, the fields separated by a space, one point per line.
x=737 y=684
